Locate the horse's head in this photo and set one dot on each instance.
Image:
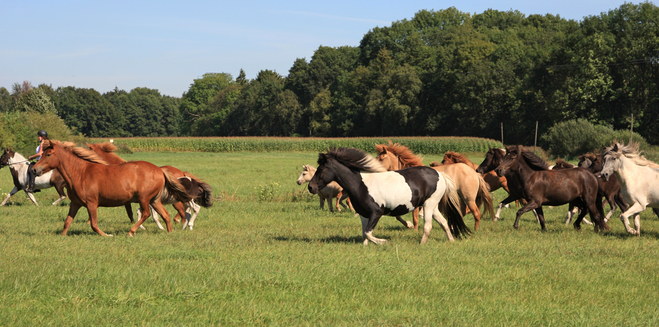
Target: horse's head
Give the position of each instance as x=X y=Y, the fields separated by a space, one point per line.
x=49 y=160
x=6 y=156
x=491 y=161
x=448 y=158
x=592 y=162
x=612 y=161
x=510 y=161
x=324 y=174
x=306 y=175
x=388 y=160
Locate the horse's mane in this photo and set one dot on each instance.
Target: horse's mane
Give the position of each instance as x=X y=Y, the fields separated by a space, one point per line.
x=309 y=168
x=457 y=157
x=591 y=156
x=79 y=152
x=534 y=162
x=630 y=151
x=562 y=163
x=353 y=159
x=108 y=149
x=404 y=154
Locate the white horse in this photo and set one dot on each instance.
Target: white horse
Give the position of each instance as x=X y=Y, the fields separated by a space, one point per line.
x=332 y=190
x=18 y=167
x=639 y=180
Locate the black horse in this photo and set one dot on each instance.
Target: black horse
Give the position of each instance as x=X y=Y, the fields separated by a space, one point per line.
x=541 y=186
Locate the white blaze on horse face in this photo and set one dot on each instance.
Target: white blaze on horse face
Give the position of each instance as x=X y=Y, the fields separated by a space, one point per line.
x=388 y=189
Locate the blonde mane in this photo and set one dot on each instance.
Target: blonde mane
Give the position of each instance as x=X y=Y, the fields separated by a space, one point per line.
x=630 y=151
x=82 y=153
x=403 y=153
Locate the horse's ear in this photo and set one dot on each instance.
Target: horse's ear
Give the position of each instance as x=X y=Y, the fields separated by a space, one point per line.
x=615 y=147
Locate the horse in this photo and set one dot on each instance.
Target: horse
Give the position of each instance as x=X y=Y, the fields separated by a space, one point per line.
x=18 y=166
x=572 y=210
x=609 y=189
x=93 y=183
x=332 y=190
x=638 y=178
x=471 y=186
x=541 y=186
x=195 y=187
x=375 y=192
x=493 y=181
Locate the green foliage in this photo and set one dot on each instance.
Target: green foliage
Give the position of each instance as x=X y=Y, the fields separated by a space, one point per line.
x=34 y=100
x=19 y=130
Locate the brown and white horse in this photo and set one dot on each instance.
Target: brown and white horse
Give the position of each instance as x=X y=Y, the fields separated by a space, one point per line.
x=18 y=166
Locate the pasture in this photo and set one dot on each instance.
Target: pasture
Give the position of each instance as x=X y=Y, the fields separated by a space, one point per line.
x=265 y=254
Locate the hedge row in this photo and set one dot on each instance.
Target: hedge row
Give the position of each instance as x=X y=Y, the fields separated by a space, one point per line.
x=419 y=145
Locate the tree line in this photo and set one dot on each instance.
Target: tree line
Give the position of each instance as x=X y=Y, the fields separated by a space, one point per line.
x=443 y=72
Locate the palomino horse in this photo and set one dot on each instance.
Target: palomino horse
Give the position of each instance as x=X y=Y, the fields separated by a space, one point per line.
x=375 y=192
x=638 y=179
x=541 y=186
x=92 y=183
x=18 y=167
x=331 y=191
x=471 y=186
x=493 y=181
x=197 y=189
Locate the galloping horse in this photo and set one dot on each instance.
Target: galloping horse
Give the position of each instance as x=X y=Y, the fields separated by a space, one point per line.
x=197 y=189
x=92 y=183
x=375 y=192
x=471 y=186
x=541 y=186
x=493 y=181
x=572 y=210
x=638 y=179
x=331 y=191
x=18 y=167
x=610 y=189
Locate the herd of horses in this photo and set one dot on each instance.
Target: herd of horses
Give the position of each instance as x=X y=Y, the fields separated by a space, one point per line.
x=97 y=177
x=396 y=182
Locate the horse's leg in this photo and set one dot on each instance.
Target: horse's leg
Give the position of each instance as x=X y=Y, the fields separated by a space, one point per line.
x=195 y=211
x=405 y=222
x=145 y=213
x=31 y=197
x=62 y=197
x=129 y=211
x=637 y=223
x=338 y=202
x=505 y=201
x=322 y=201
x=415 y=218
x=13 y=191
x=180 y=210
x=526 y=208
x=155 y=218
x=73 y=210
x=433 y=211
x=160 y=209
x=634 y=209
x=92 y=209
x=368 y=225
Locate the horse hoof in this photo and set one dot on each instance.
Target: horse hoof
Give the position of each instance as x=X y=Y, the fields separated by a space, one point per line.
x=130 y=234
x=109 y=235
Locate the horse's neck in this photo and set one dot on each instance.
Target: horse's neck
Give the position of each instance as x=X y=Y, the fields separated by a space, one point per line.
x=349 y=180
x=15 y=163
x=71 y=167
x=16 y=158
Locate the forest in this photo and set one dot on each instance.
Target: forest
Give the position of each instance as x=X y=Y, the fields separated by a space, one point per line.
x=440 y=73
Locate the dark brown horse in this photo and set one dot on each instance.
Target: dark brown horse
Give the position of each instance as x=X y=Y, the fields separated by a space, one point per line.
x=541 y=186
x=200 y=191
x=93 y=183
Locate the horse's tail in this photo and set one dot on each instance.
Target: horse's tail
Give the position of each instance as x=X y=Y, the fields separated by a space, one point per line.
x=449 y=206
x=205 y=194
x=483 y=196
x=174 y=187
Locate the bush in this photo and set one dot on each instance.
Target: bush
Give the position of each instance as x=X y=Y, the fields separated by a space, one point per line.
x=572 y=138
x=22 y=127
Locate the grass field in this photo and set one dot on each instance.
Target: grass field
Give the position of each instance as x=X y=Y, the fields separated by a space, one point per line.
x=265 y=254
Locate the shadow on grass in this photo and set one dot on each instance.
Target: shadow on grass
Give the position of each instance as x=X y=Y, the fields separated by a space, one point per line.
x=331 y=239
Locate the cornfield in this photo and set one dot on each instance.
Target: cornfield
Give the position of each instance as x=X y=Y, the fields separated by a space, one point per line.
x=419 y=145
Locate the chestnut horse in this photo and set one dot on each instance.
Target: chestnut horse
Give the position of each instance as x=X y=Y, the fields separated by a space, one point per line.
x=197 y=189
x=93 y=183
x=541 y=186
x=471 y=186
x=18 y=167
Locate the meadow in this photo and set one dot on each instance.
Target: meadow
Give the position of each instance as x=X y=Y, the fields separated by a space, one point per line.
x=265 y=254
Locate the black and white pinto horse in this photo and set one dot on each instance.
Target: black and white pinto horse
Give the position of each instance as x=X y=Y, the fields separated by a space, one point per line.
x=18 y=167
x=375 y=192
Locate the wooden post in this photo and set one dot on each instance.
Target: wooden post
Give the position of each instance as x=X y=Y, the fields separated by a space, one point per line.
x=502 y=134
x=631 y=130
x=536 y=136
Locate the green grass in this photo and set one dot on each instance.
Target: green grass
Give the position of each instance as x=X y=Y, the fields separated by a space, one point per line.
x=267 y=260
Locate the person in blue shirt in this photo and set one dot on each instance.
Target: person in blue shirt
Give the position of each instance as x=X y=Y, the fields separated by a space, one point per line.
x=42 y=136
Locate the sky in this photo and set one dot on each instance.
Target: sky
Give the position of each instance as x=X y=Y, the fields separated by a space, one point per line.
x=165 y=45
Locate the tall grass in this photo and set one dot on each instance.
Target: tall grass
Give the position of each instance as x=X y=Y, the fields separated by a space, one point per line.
x=255 y=260
x=421 y=145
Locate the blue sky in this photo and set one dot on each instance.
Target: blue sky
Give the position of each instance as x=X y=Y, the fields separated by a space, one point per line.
x=165 y=45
